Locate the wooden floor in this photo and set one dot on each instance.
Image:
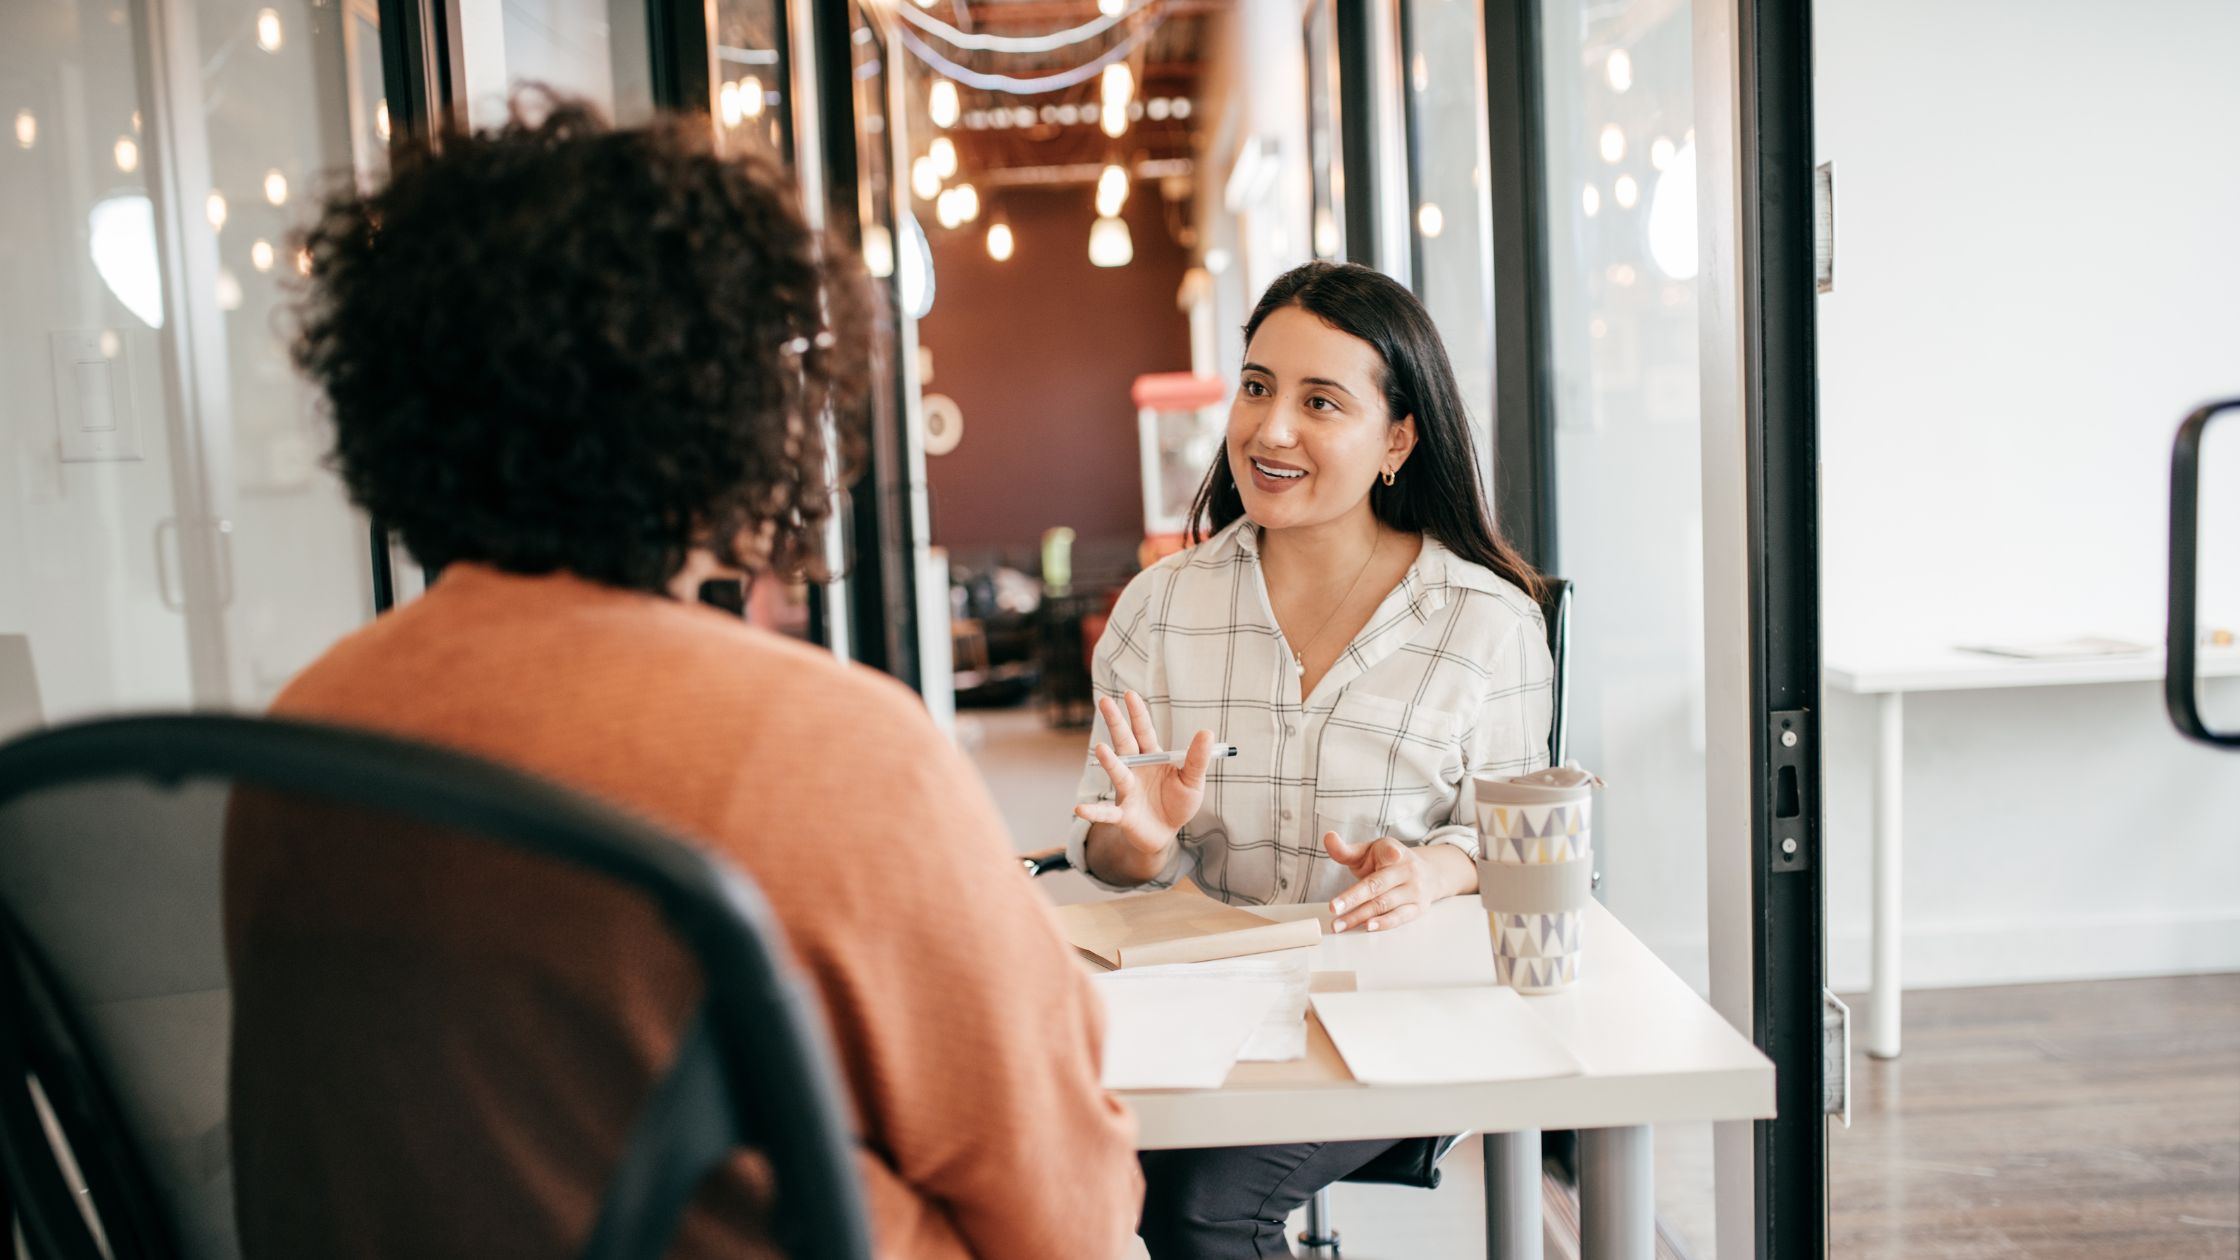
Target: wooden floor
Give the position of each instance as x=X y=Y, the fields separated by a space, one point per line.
x=2053 y=1121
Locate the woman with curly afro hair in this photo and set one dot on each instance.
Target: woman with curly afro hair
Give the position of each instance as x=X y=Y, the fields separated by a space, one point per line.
x=578 y=368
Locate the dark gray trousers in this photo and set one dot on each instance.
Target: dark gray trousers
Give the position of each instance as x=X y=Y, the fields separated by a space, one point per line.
x=1229 y=1202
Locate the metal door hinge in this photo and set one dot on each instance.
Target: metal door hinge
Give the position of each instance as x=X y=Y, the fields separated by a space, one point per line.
x=1835 y=1056
x=1824 y=227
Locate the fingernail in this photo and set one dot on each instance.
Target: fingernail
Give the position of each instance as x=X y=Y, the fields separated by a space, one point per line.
x=1338 y=906
x=1374 y=925
x=1338 y=926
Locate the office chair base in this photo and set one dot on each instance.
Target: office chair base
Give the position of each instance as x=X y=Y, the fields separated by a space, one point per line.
x=1319 y=1239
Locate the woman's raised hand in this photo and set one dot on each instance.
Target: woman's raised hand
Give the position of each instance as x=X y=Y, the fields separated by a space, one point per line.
x=1150 y=803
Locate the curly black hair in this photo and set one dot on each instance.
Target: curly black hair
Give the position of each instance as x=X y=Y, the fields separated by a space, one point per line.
x=562 y=346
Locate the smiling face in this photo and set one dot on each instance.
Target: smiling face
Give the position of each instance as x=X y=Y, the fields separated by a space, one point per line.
x=1309 y=432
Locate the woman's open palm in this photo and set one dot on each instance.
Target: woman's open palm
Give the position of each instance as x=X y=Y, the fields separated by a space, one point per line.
x=1150 y=803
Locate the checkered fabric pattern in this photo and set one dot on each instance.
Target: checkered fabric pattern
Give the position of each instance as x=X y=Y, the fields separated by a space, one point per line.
x=1449 y=679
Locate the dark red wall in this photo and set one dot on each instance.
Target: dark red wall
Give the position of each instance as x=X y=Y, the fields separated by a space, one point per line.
x=1039 y=352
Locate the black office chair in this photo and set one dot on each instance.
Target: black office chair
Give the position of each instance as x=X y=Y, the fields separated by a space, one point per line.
x=118 y=1011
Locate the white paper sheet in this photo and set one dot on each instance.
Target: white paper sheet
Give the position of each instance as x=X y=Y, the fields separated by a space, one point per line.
x=1282 y=1036
x=1165 y=1033
x=1449 y=947
x=1441 y=1036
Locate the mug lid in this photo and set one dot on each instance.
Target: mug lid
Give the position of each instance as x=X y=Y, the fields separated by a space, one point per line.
x=1567 y=782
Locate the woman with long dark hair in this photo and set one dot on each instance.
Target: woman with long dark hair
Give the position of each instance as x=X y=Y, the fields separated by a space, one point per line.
x=1350 y=619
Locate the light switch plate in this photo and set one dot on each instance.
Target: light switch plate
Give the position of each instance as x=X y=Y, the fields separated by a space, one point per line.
x=95 y=417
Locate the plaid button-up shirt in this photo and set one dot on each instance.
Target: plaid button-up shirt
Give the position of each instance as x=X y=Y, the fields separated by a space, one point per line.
x=1449 y=679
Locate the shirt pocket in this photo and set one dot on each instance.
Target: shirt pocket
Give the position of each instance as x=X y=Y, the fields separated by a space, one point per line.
x=1385 y=761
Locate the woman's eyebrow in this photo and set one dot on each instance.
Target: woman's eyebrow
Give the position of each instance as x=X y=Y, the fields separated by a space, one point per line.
x=1324 y=380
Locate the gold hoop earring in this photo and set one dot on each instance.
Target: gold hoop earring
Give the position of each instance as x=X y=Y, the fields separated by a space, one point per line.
x=1388 y=476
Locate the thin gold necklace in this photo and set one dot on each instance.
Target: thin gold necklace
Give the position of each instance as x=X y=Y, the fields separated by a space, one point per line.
x=1299 y=657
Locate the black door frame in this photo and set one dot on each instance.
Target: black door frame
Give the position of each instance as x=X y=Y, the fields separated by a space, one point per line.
x=1777 y=310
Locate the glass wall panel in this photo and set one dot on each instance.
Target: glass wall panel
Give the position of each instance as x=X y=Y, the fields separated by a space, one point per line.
x=1451 y=223
x=751 y=87
x=1620 y=212
x=595 y=49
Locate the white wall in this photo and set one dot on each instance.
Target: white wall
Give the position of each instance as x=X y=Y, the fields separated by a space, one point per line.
x=2035 y=263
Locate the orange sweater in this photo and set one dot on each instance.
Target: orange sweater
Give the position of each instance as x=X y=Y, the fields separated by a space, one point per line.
x=967 y=1035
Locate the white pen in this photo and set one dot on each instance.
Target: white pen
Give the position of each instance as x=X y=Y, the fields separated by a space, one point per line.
x=1175 y=758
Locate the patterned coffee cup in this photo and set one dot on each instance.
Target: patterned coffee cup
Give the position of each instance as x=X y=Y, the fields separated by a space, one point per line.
x=1536 y=836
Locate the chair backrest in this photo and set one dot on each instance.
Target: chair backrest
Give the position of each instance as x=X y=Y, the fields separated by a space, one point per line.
x=177 y=892
x=1555 y=607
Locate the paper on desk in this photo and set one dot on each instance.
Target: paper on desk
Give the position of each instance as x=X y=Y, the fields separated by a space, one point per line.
x=1282 y=1035
x=1179 y=925
x=1165 y=1033
x=1441 y=1036
x=2082 y=648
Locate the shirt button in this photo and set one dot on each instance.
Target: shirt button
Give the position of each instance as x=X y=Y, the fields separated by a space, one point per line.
x=1287 y=815
x=1290 y=730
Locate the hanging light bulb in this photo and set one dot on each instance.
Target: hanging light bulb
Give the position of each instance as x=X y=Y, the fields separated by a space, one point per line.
x=944 y=156
x=268 y=30
x=1626 y=191
x=1109 y=242
x=1613 y=143
x=276 y=187
x=1000 y=243
x=1112 y=8
x=27 y=128
x=1118 y=88
x=727 y=104
x=878 y=250
x=1430 y=220
x=1618 y=70
x=1112 y=190
x=924 y=180
x=751 y=101
x=127 y=154
x=942 y=103
x=947 y=210
x=968 y=202
x=214 y=207
x=260 y=254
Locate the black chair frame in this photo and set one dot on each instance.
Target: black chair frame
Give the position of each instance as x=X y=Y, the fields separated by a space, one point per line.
x=753 y=1070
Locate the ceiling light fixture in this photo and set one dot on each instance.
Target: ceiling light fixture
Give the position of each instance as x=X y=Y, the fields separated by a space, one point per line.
x=1118 y=88
x=1112 y=190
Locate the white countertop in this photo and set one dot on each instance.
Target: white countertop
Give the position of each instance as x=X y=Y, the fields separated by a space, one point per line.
x=1950 y=669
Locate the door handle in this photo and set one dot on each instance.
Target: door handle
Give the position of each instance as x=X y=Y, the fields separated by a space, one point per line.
x=2181 y=689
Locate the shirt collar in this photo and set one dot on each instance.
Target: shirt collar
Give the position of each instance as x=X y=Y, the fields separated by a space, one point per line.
x=1430 y=581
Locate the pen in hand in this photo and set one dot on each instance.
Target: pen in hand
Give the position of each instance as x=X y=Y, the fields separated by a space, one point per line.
x=1175 y=758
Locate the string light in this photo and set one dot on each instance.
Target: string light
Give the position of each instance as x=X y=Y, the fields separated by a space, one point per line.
x=27 y=129
x=260 y=254
x=1613 y=143
x=924 y=180
x=727 y=104
x=1626 y=191
x=268 y=30
x=968 y=202
x=214 y=206
x=127 y=154
x=944 y=156
x=751 y=100
x=275 y=187
x=1000 y=244
x=1430 y=219
x=1112 y=8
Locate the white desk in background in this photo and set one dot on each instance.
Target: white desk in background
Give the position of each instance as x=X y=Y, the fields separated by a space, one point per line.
x=1888 y=679
x=1653 y=1051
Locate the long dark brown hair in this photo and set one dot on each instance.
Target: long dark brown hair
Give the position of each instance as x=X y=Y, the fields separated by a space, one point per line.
x=1437 y=492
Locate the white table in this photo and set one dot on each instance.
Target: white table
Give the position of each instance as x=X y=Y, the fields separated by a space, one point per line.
x=1888 y=680
x=1654 y=1053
